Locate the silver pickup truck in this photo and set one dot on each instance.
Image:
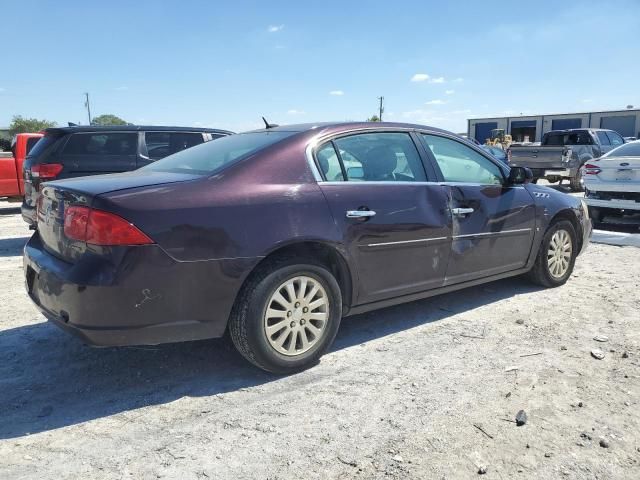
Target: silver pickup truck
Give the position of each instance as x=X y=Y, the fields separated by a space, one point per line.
x=563 y=152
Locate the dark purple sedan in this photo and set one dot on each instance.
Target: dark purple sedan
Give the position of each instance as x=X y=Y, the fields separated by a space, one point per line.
x=277 y=234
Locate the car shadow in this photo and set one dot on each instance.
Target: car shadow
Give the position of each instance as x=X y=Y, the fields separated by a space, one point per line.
x=50 y=380
x=4 y=210
x=12 y=247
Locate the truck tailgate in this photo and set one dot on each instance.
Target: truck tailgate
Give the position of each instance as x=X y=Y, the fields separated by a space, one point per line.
x=539 y=157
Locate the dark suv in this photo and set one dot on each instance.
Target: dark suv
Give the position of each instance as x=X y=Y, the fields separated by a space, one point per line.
x=80 y=151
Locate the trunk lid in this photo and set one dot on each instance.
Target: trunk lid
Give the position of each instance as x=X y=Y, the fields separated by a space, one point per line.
x=56 y=197
x=622 y=170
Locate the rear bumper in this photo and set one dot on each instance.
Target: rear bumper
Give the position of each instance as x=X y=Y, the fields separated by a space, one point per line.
x=140 y=296
x=28 y=213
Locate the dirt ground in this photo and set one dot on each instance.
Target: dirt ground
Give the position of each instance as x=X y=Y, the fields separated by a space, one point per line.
x=424 y=390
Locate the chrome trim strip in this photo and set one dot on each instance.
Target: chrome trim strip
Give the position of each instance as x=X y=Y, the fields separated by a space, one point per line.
x=406 y=241
x=485 y=234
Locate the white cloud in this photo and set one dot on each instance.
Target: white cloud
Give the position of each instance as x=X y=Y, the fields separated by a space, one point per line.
x=459 y=80
x=1 y=89
x=293 y=111
x=274 y=28
x=437 y=80
x=449 y=92
x=122 y=88
x=420 y=77
x=337 y=93
x=435 y=102
x=586 y=100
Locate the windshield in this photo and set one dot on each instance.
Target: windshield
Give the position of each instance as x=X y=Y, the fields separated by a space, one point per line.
x=627 y=150
x=209 y=157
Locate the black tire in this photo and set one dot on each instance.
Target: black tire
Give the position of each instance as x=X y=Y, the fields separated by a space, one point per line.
x=540 y=273
x=595 y=214
x=577 y=183
x=246 y=323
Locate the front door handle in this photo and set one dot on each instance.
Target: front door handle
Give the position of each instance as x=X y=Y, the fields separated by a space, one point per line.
x=461 y=212
x=360 y=213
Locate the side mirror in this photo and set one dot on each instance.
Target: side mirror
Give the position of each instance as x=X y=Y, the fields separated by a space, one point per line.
x=520 y=175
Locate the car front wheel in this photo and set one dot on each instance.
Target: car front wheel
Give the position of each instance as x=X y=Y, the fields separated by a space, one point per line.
x=287 y=316
x=557 y=255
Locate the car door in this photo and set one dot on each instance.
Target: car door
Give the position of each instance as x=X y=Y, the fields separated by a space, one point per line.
x=93 y=153
x=492 y=222
x=157 y=145
x=393 y=221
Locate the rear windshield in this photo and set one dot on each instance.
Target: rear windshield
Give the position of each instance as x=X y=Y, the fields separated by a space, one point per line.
x=42 y=145
x=570 y=138
x=626 y=150
x=210 y=157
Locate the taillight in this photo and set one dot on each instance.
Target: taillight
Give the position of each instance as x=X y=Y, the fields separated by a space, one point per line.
x=46 y=171
x=590 y=169
x=101 y=228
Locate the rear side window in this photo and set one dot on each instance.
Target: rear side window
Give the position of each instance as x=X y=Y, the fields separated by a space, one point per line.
x=42 y=144
x=210 y=157
x=329 y=163
x=604 y=140
x=31 y=142
x=379 y=157
x=616 y=140
x=101 y=144
x=163 y=144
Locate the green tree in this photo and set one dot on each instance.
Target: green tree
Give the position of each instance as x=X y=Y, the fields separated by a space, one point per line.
x=373 y=118
x=20 y=124
x=108 y=119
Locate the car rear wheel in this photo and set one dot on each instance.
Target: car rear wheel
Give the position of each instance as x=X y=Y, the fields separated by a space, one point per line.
x=287 y=316
x=577 y=182
x=557 y=255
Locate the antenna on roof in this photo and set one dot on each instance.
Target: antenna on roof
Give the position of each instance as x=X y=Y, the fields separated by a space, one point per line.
x=71 y=124
x=268 y=125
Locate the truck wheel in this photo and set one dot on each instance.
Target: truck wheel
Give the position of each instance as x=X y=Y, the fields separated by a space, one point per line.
x=556 y=257
x=287 y=315
x=577 y=182
x=595 y=214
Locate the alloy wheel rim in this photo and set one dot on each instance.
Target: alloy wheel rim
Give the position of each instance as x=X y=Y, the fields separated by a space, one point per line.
x=296 y=315
x=559 y=253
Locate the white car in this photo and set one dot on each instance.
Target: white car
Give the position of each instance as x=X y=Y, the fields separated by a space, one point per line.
x=612 y=182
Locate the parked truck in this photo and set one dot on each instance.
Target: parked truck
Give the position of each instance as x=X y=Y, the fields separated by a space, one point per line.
x=11 y=178
x=562 y=153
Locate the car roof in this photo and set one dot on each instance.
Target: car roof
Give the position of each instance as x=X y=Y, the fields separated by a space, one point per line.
x=327 y=128
x=132 y=128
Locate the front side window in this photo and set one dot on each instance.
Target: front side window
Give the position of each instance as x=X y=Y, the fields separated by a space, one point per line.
x=460 y=163
x=101 y=144
x=616 y=140
x=379 y=157
x=163 y=144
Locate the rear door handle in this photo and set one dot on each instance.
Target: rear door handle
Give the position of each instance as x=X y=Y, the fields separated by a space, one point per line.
x=461 y=212
x=360 y=213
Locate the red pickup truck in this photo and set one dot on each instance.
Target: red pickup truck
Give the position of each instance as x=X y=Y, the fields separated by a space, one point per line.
x=11 y=181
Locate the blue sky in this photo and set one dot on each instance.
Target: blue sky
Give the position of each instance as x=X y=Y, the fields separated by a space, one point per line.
x=225 y=64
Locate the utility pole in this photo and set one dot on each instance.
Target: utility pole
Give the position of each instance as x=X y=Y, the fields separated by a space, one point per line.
x=86 y=104
x=381 y=108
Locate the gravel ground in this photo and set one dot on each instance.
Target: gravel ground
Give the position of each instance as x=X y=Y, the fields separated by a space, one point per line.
x=429 y=389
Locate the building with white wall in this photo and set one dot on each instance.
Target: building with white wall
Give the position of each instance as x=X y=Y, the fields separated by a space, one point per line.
x=531 y=128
